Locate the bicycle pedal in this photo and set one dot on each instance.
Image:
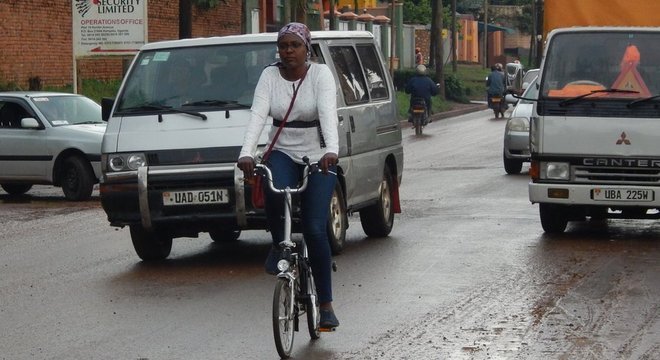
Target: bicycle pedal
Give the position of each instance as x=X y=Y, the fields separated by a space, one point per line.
x=332 y=329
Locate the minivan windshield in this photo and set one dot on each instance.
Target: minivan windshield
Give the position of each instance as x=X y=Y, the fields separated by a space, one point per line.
x=191 y=78
x=602 y=65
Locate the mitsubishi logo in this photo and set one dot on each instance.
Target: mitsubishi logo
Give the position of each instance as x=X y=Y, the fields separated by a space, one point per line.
x=623 y=139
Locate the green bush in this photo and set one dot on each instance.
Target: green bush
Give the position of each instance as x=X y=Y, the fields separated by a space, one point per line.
x=8 y=86
x=454 y=88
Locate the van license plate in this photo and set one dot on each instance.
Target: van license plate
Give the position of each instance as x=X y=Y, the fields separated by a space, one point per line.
x=639 y=195
x=196 y=197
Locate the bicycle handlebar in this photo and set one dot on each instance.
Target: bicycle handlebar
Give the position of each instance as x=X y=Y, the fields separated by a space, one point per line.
x=269 y=176
x=309 y=168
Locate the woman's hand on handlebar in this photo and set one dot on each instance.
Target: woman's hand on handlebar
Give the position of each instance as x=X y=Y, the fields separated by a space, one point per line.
x=246 y=164
x=328 y=160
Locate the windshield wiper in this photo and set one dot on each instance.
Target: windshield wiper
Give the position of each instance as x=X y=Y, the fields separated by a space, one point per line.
x=573 y=99
x=523 y=98
x=221 y=103
x=211 y=102
x=152 y=106
x=639 y=101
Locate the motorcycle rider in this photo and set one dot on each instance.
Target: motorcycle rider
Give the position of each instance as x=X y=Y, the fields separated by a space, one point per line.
x=496 y=83
x=421 y=86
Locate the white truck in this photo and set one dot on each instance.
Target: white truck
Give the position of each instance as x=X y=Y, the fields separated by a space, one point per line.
x=594 y=130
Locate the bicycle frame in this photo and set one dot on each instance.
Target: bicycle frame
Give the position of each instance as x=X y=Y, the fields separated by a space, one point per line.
x=294 y=267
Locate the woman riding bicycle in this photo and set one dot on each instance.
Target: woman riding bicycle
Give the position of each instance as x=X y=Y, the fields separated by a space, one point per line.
x=309 y=130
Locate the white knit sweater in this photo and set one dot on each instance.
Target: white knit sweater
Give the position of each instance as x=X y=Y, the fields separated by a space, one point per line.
x=316 y=99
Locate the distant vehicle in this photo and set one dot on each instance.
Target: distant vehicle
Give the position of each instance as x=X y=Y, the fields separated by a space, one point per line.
x=516 y=132
x=529 y=76
x=514 y=78
x=50 y=138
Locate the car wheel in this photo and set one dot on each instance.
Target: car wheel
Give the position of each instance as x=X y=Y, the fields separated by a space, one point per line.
x=224 y=235
x=378 y=219
x=150 y=245
x=554 y=218
x=16 y=189
x=337 y=221
x=512 y=166
x=77 y=179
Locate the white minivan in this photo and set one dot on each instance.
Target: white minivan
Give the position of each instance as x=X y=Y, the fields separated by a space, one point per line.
x=176 y=128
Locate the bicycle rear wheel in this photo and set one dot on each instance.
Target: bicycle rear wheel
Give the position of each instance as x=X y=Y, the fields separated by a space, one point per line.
x=283 y=318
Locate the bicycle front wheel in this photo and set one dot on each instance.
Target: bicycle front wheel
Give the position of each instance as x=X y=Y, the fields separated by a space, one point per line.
x=283 y=318
x=313 y=313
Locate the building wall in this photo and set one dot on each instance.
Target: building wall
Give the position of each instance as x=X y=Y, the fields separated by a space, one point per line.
x=37 y=38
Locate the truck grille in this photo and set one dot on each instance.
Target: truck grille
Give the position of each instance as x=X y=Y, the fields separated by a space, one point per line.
x=609 y=175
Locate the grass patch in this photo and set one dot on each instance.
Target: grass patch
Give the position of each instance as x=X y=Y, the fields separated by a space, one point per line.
x=93 y=89
x=473 y=78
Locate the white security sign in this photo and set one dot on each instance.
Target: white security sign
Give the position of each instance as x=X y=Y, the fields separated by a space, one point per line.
x=108 y=27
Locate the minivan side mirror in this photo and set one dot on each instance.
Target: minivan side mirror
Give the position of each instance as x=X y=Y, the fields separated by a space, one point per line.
x=106 y=107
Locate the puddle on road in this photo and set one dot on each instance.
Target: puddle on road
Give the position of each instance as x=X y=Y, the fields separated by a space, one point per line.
x=29 y=207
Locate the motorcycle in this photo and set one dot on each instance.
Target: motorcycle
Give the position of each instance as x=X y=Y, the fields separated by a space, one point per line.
x=498 y=105
x=418 y=114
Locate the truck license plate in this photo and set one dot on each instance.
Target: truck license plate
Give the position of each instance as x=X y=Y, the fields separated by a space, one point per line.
x=196 y=197
x=639 y=195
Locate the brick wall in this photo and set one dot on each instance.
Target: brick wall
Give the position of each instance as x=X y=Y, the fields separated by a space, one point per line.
x=37 y=38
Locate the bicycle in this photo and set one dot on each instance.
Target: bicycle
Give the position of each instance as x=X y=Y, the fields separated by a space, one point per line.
x=295 y=290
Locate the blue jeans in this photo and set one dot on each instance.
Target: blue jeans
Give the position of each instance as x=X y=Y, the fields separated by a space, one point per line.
x=315 y=202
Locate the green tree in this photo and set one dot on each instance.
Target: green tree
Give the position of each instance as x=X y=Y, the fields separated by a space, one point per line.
x=420 y=12
x=417 y=12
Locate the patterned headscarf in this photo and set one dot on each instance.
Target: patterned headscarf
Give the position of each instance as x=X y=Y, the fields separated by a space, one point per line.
x=299 y=30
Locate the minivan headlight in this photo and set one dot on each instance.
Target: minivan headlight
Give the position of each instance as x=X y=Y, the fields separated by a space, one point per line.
x=125 y=162
x=555 y=170
x=520 y=124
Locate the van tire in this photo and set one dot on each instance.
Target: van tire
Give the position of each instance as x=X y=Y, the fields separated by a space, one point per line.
x=150 y=245
x=77 y=179
x=554 y=218
x=378 y=219
x=337 y=221
x=16 y=189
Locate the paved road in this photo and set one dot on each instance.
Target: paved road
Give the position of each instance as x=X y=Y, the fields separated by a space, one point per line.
x=467 y=273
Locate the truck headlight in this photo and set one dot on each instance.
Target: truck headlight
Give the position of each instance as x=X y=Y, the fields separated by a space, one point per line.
x=555 y=170
x=125 y=162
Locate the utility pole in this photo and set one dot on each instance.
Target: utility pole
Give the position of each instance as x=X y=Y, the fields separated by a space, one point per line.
x=485 y=49
x=454 y=66
x=392 y=37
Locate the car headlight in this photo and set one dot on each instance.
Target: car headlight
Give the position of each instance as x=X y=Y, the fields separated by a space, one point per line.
x=555 y=170
x=518 y=124
x=125 y=162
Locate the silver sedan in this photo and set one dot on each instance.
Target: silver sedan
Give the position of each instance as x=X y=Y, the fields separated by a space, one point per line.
x=516 y=132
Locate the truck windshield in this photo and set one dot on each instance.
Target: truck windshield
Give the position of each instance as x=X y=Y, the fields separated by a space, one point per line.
x=193 y=78
x=601 y=64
